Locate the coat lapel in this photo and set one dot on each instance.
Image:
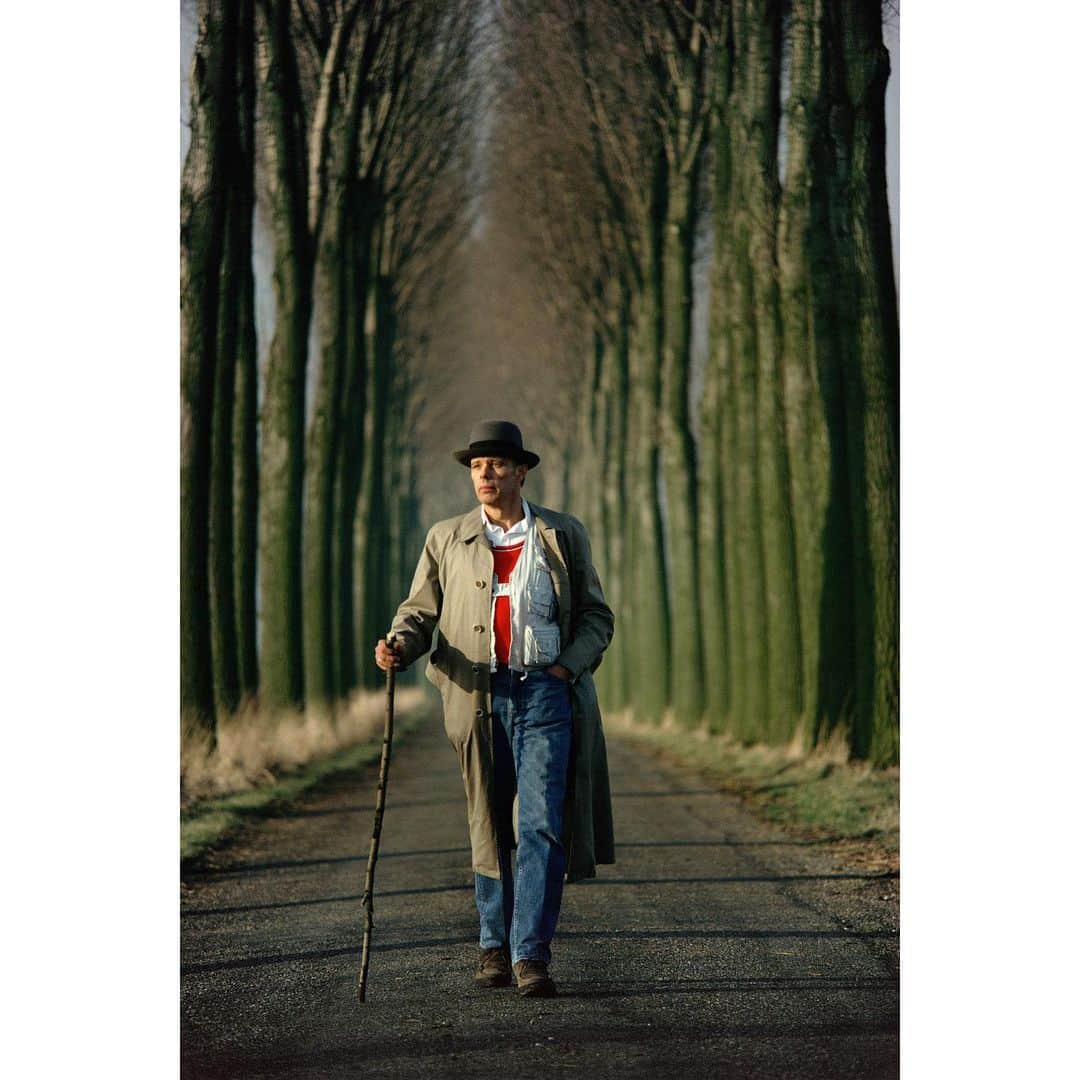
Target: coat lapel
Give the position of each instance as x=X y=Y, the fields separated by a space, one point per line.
x=479 y=559
x=560 y=574
x=471 y=527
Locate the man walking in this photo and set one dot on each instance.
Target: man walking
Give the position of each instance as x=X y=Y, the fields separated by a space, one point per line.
x=522 y=625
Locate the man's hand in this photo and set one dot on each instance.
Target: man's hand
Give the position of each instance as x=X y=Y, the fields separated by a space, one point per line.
x=387 y=656
x=560 y=672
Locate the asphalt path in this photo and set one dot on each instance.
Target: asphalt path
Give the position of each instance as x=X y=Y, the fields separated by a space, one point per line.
x=716 y=946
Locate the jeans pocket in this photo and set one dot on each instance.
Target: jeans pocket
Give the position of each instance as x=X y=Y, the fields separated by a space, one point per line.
x=552 y=698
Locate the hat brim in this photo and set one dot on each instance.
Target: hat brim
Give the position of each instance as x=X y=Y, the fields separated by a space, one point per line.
x=493 y=449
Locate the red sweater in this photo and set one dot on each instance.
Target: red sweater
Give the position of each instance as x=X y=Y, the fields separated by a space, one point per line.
x=506 y=559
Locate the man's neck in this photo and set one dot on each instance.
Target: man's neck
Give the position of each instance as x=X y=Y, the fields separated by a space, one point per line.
x=505 y=517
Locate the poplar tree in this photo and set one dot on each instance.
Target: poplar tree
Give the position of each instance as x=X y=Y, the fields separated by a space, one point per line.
x=232 y=478
x=813 y=395
x=344 y=105
x=862 y=250
x=245 y=501
x=679 y=42
x=299 y=135
x=756 y=26
x=202 y=215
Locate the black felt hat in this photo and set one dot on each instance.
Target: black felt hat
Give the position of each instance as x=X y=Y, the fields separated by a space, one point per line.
x=496 y=438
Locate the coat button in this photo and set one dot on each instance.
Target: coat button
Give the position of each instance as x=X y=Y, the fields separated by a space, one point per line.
x=478 y=628
x=476 y=669
x=479 y=714
x=480 y=584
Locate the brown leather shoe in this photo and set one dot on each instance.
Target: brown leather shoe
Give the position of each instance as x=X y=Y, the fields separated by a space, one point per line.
x=493 y=968
x=533 y=979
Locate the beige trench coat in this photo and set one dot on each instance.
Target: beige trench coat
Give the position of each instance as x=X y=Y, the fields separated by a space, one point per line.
x=452 y=589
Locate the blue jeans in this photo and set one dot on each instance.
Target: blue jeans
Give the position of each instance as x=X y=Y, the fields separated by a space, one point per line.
x=531 y=730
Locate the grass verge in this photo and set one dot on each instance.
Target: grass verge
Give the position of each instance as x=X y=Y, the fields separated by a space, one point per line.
x=208 y=821
x=818 y=795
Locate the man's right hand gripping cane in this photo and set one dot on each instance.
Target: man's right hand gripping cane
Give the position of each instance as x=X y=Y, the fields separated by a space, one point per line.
x=388 y=656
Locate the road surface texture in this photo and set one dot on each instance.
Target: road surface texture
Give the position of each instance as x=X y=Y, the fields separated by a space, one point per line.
x=716 y=945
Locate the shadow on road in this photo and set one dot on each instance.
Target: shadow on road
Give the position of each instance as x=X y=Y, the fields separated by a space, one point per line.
x=188 y=913
x=329 y=860
x=430 y=943
x=302 y=812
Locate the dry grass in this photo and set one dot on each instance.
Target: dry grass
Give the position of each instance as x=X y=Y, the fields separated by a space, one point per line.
x=817 y=792
x=254 y=750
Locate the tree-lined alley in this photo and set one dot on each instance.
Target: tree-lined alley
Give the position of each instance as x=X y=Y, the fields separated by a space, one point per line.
x=567 y=165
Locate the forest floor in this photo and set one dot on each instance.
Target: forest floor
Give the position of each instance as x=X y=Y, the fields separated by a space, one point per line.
x=719 y=944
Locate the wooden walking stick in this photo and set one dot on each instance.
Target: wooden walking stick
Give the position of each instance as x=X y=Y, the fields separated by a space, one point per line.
x=380 y=804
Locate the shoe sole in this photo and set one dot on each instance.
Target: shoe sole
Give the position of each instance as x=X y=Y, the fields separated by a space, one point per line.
x=541 y=988
x=490 y=982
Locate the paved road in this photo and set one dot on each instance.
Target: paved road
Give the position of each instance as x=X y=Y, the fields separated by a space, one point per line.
x=716 y=946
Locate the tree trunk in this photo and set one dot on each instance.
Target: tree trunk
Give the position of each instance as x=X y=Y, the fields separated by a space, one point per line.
x=202 y=211
x=222 y=546
x=679 y=455
x=871 y=378
x=352 y=450
x=245 y=409
x=235 y=330
x=410 y=542
x=370 y=569
x=364 y=528
x=746 y=532
x=649 y=612
x=584 y=476
x=320 y=677
x=799 y=229
x=725 y=667
x=758 y=45
x=712 y=519
x=600 y=441
x=246 y=491
x=599 y=531
x=616 y=520
x=395 y=492
x=380 y=605
x=282 y=466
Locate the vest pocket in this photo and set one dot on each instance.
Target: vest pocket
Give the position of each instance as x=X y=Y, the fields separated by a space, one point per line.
x=541 y=645
x=540 y=594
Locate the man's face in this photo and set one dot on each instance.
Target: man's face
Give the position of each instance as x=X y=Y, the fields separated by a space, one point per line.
x=496 y=480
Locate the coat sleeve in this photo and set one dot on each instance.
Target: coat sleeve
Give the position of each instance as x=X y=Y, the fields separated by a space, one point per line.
x=592 y=622
x=419 y=612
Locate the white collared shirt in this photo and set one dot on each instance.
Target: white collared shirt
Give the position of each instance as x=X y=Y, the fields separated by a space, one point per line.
x=500 y=537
